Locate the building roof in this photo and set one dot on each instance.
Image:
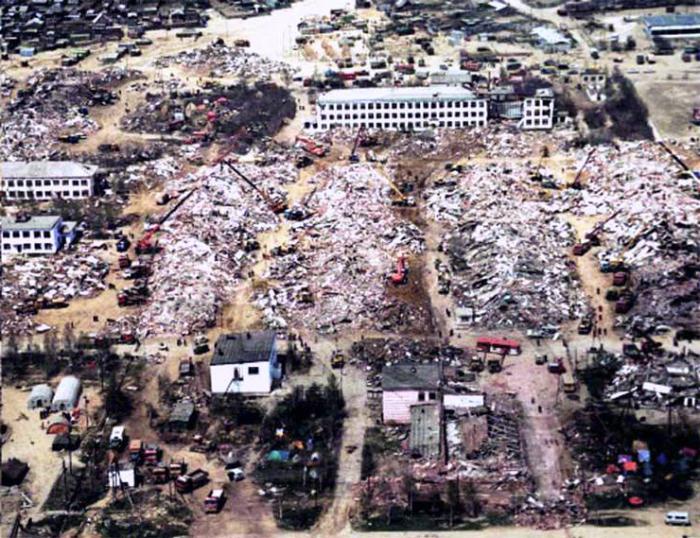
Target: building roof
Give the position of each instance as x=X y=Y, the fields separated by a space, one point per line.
x=243 y=347
x=673 y=20
x=67 y=390
x=46 y=169
x=41 y=392
x=411 y=376
x=550 y=36
x=418 y=93
x=182 y=412
x=424 y=436
x=39 y=222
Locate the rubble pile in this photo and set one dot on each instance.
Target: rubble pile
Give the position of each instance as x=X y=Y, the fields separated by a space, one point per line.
x=223 y=61
x=7 y=84
x=507 y=254
x=48 y=282
x=654 y=230
x=334 y=272
x=55 y=102
x=206 y=245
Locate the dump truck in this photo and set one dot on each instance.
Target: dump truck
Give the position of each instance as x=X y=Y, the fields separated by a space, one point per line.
x=191 y=481
x=581 y=248
x=619 y=278
x=624 y=303
x=135 y=450
x=214 y=501
x=151 y=454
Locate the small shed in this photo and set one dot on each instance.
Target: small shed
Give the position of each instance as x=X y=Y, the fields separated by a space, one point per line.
x=182 y=416
x=121 y=475
x=57 y=425
x=67 y=394
x=13 y=472
x=40 y=397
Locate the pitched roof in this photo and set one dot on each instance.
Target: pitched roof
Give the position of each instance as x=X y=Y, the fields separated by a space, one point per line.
x=411 y=376
x=243 y=347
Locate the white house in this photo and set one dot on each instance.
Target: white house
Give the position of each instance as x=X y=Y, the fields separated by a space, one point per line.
x=402 y=108
x=404 y=385
x=121 y=475
x=35 y=235
x=245 y=363
x=44 y=180
x=550 y=40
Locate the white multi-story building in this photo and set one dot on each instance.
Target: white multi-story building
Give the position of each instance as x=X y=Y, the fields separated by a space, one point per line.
x=406 y=109
x=35 y=235
x=538 y=111
x=44 y=180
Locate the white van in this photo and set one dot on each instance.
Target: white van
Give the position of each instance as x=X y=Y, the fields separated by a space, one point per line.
x=677 y=518
x=116 y=438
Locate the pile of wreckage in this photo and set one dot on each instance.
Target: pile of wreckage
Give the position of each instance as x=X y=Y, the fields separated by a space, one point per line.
x=32 y=284
x=507 y=255
x=668 y=380
x=7 y=84
x=55 y=107
x=207 y=244
x=652 y=228
x=222 y=61
x=334 y=271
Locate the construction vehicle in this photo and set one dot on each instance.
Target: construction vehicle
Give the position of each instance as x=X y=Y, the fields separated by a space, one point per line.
x=117 y=437
x=568 y=383
x=214 y=501
x=191 y=481
x=160 y=474
x=400 y=276
x=276 y=206
x=494 y=363
x=625 y=302
x=337 y=359
x=151 y=454
x=556 y=366
x=26 y=308
x=134 y=295
x=576 y=183
x=311 y=146
x=137 y=270
x=354 y=157
x=585 y=326
x=200 y=344
x=123 y=244
x=619 y=278
x=177 y=468
x=145 y=244
x=135 y=450
x=164 y=198
x=581 y=248
x=540 y=359
x=124 y=261
x=186 y=368
x=593 y=235
x=476 y=363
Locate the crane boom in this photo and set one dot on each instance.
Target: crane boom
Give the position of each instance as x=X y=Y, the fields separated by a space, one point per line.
x=276 y=207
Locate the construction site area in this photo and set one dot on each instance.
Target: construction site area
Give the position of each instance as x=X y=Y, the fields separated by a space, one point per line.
x=336 y=268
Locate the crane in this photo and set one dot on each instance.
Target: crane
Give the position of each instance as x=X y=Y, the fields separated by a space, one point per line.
x=354 y=157
x=276 y=206
x=592 y=236
x=577 y=180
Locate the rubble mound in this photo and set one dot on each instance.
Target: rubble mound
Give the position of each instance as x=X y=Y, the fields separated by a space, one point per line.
x=506 y=253
x=335 y=271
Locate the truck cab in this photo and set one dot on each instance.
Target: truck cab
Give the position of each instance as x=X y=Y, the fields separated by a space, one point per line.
x=117 y=438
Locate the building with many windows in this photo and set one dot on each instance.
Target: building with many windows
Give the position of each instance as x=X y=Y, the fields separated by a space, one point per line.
x=673 y=26
x=538 y=111
x=35 y=235
x=404 y=108
x=44 y=180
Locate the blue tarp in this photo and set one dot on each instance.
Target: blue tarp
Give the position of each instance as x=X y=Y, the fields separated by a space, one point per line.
x=278 y=455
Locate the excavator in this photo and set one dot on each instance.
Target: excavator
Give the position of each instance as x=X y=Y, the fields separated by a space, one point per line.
x=145 y=245
x=276 y=206
x=400 y=276
x=592 y=236
x=354 y=157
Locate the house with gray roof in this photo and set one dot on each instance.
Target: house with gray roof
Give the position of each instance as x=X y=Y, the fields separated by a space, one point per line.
x=41 y=234
x=408 y=384
x=45 y=180
x=245 y=363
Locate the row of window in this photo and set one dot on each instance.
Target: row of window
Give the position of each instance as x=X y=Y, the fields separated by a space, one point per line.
x=410 y=105
x=28 y=246
x=408 y=125
x=45 y=182
x=26 y=233
x=47 y=194
x=544 y=122
x=538 y=112
x=404 y=115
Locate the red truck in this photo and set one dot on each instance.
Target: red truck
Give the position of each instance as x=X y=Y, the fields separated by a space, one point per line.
x=191 y=481
x=214 y=501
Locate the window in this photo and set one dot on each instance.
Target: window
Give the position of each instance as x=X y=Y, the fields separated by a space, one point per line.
x=47 y=233
x=25 y=234
x=5 y=233
x=10 y=183
x=27 y=246
x=65 y=182
x=37 y=233
x=15 y=234
x=432 y=396
x=6 y=246
x=253 y=370
x=421 y=396
x=48 y=246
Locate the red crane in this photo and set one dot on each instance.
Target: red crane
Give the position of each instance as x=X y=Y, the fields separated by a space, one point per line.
x=276 y=206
